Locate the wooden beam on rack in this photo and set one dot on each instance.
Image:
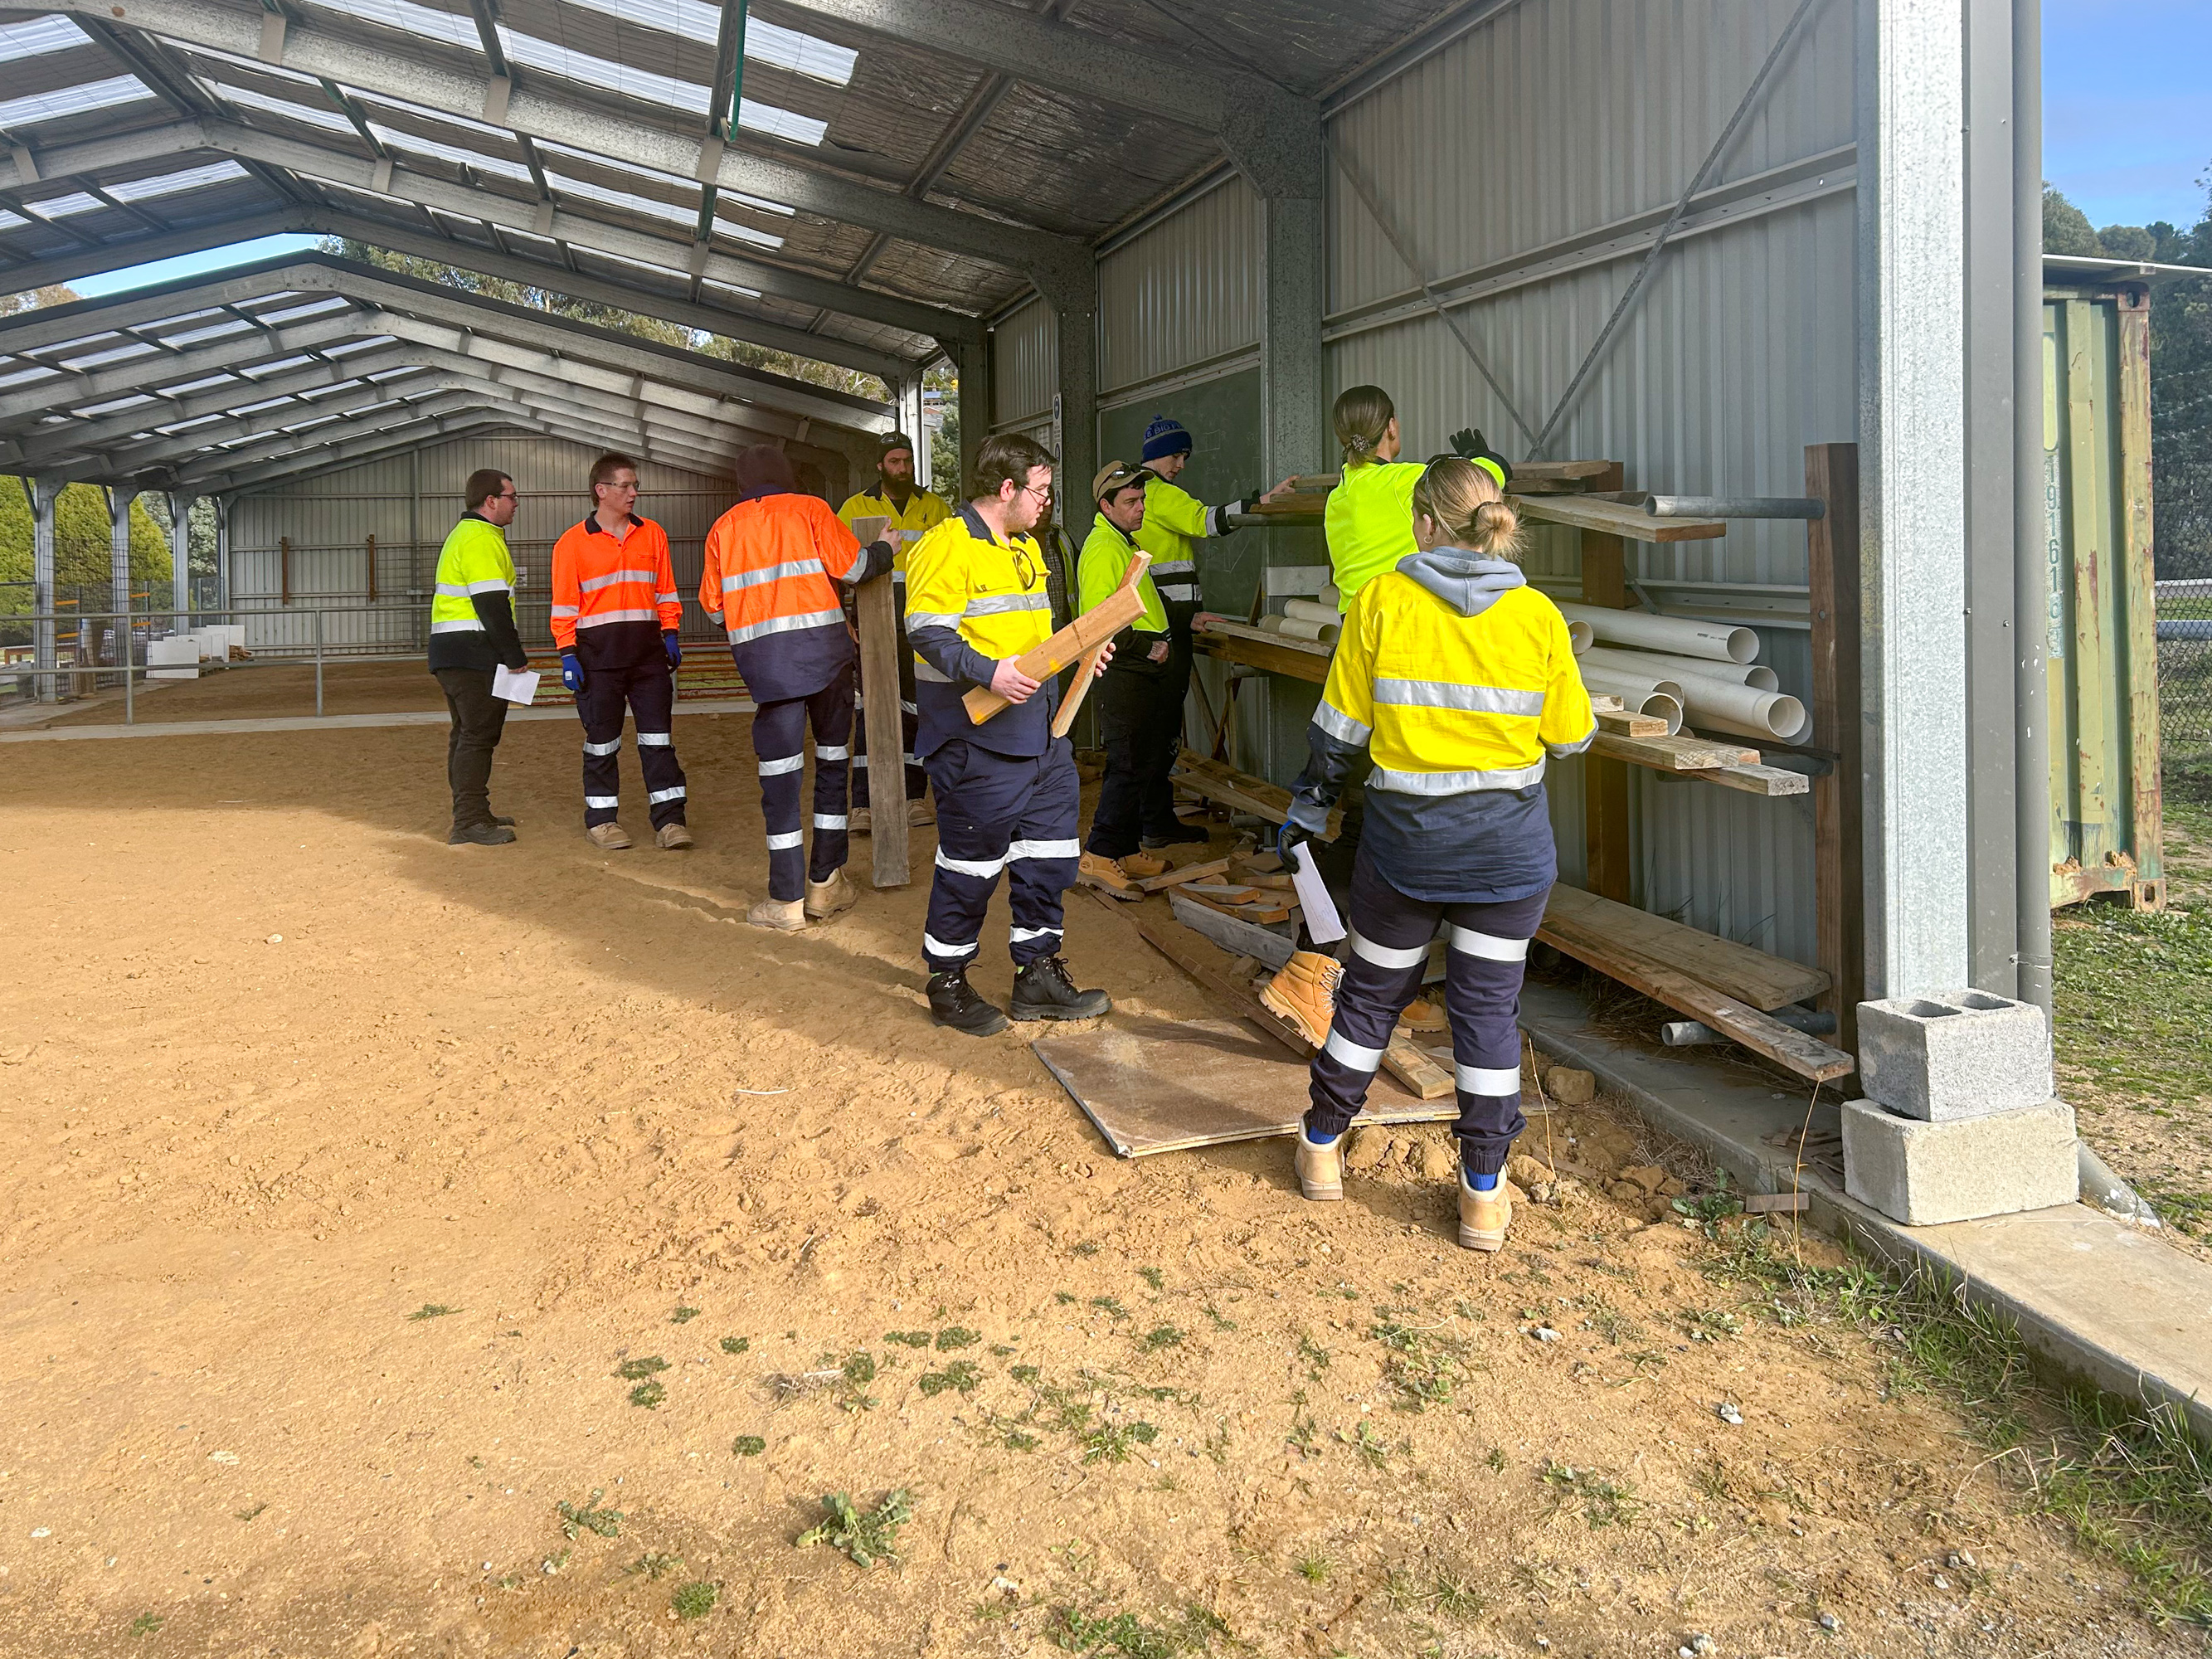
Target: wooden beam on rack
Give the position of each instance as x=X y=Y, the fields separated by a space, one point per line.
x=1831 y=475
x=1674 y=754
x=1605 y=785
x=1257 y=648
x=1771 y=781
x=1742 y=971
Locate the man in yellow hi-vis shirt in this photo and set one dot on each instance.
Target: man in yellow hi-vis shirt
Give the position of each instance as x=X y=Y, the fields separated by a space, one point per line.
x=911 y=509
x=1007 y=789
x=472 y=633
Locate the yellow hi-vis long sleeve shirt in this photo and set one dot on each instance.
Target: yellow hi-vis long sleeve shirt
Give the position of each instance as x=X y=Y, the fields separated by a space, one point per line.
x=1457 y=678
x=924 y=510
x=1369 y=522
x=1175 y=521
x=972 y=601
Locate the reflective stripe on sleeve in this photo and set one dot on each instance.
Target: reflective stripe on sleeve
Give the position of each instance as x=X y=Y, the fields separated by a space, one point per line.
x=614 y=748
x=784 y=625
x=923 y=671
x=1350 y=1053
x=667 y=598
x=860 y=563
x=593 y=584
x=466 y=625
x=770 y=768
x=1456 y=783
x=930 y=619
x=1339 y=725
x=1564 y=750
x=1471 y=699
x=564 y=609
x=785 y=842
x=1488 y=1080
x=1488 y=946
x=462 y=590
x=1173 y=568
x=768 y=573
x=1386 y=956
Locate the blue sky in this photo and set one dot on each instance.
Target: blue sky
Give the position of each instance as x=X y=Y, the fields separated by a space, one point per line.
x=2127 y=108
x=189 y=265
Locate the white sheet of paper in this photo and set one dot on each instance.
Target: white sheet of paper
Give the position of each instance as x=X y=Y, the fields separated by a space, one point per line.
x=511 y=686
x=1323 y=922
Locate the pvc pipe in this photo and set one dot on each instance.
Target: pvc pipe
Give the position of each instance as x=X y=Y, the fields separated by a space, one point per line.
x=1273 y=624
x=1735 y=507
x=1579 y=637
x=1626 y=685
x=1759 y=677
x=1776 y=715
x=1297 y=628
x=1657 y=702
x=1684 y=636
x=1311 y=610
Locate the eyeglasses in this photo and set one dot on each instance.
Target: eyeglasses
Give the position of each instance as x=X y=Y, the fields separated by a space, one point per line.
x=1042 y=492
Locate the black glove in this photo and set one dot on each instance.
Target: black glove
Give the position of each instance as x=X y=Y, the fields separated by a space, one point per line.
x=1469 y=445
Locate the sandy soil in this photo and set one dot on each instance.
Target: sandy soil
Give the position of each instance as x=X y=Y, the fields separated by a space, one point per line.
x=283 y=1074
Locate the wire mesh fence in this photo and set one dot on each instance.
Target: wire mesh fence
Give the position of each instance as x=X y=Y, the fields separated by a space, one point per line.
x=2184 y=689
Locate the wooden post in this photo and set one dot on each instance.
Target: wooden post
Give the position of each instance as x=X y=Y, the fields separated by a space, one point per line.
x=372 y=569
x=2138 y=596
x=285 y=569
x=1605 y=805
x=1831 y=475
x=877 y=603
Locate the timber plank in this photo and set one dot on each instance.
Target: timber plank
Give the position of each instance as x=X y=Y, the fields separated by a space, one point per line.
x=1218 y=781
x=876 y=604
x=1771 y=781
x=1168 y=879
x=1616 y=519
x=1741 y=971
x=1676 y=754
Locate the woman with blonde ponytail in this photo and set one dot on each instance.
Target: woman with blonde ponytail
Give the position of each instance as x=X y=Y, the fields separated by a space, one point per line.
x=1456 y=678
x=1366 y=518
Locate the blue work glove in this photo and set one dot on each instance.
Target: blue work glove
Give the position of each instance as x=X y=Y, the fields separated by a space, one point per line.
x=675 y=651
x=572 y=672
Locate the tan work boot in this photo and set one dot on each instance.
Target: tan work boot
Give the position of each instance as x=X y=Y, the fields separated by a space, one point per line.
x=672 y=837
x=1483 y=1217
x=1304 y=993
x=825 y=899
x=1424 y=1016
x=1142 y=866
x=1320 y=1168
x=858 y=821
x=786 y=916
x=920 y=815
x=611 y=836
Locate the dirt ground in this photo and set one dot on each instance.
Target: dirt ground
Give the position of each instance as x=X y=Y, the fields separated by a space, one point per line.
x=372 y=1199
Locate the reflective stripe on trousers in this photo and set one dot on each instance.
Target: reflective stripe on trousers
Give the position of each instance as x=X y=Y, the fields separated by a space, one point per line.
x=648 y=692
x=778 y=744
x=1384 y=959
x=997 y=814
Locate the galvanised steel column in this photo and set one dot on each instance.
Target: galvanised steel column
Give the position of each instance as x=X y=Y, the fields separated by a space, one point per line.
x=119 y=563
x=180 y=556
x=44 y=648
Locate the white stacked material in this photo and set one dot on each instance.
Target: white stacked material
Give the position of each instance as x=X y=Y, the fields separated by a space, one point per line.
x=1639 y=693
x=1684 y=637
x=1664 y=664
x=1300 y=628
x=1312 y=611
x=177 y=658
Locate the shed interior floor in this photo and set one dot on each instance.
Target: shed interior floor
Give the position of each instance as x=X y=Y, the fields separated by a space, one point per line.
x=354 y=1172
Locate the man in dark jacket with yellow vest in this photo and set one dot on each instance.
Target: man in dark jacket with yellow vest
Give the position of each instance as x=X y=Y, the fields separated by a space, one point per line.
x=1007 y=789
x=472 y=634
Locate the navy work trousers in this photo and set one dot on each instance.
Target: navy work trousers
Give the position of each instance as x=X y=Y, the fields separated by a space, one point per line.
x=997 y=813
x=1140 y=717
x=478 y=719
x=1487 y=954
x=649 y=691
x=780 y=745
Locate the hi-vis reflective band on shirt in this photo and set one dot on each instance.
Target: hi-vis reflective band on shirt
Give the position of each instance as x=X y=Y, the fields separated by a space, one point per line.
x=990 y=604
x=593 y=584
x=785 y=624
x=469 y=624
x=1177 y=580
x=1456 y=783
x=1471 y=699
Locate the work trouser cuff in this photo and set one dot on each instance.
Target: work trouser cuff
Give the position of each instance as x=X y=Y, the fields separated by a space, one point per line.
x=1483 y=1154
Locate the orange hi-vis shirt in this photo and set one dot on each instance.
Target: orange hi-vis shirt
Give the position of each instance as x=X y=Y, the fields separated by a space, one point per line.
x=614 y=595
x=773 y=567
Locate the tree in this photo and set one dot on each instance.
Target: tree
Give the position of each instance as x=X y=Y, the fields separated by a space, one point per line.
x=2066 y=228
x=37 y=299
x=81 y=547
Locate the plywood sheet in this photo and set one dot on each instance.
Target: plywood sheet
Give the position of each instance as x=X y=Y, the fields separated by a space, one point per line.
x=1150 y=1084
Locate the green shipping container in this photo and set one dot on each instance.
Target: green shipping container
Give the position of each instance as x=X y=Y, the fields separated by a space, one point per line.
x=2104 y=792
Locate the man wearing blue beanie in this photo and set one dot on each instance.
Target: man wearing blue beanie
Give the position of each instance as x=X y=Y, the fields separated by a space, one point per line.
x=1174 y=524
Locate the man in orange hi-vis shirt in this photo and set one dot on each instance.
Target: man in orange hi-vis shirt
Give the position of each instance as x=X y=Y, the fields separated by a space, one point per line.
x=774 y=565
x=615 y=612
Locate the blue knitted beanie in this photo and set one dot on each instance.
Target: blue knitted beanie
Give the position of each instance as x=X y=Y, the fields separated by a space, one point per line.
x=1165 y=437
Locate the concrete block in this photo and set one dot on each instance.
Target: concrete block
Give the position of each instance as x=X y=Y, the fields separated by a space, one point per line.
x=1994 y=1163
x=1953 y=1054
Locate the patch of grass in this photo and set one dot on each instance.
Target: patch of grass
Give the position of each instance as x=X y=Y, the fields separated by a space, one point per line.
x=1603 y=1501
x=649 y=1394
x=430 y=1310
x=1018 y=1440
x=1153 y=1277
x=588 y=1516
x=1496 y=1462
x=1439 y=1592
x=1314 y=1356
x=2132 y=1001
x=2129 y=1480
x=736 y=1344
x=1159 y=1337
x=252 y=1514
x=866 y=1538
x=908 y=1339
x=956 y=1336
x=1314 y=1569
x=146 y=1623
x=964 y=1375
x=655 y=1565
x=1125 y=1635
x=694 y=1600
x=1373 y=1450
x=1222 y=1321
x=1424 y=1368
x=1110 y=1442
x=684 y=1316
x=748 y=1445
x=859 y=1367
x=1087 y=1246
x=636 y=1370
x=1110 y=1306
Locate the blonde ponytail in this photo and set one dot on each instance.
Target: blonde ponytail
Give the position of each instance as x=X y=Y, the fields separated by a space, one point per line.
x=1362 y=416
x=1464 y=501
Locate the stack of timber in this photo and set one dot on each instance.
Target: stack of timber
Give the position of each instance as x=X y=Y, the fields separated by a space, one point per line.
x=1218 y=781
x=1259 y=648
x=1730 y=986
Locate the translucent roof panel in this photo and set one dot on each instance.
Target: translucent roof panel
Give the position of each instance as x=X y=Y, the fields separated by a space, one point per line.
x=172 y=183
x=312 y=115
x=10 y=221
x=115 y=355
x=760 y=205
x=38 y=36
x=115 y=405
x=767 y=42
x=455 y=29
x=60 y=207
x=399 y=138
x=72 y=100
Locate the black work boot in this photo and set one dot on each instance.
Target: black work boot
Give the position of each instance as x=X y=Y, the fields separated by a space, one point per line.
x=489 y=834
x=1044 y=991
x=953 y=1001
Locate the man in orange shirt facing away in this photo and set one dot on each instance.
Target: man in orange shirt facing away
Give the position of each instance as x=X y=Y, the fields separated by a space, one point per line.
x=615 y=617
x=774 y=563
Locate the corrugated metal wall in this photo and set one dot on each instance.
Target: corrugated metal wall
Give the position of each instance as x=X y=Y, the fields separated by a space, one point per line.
x=1024 y=368
x=1182 y=293
x=329 y=518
